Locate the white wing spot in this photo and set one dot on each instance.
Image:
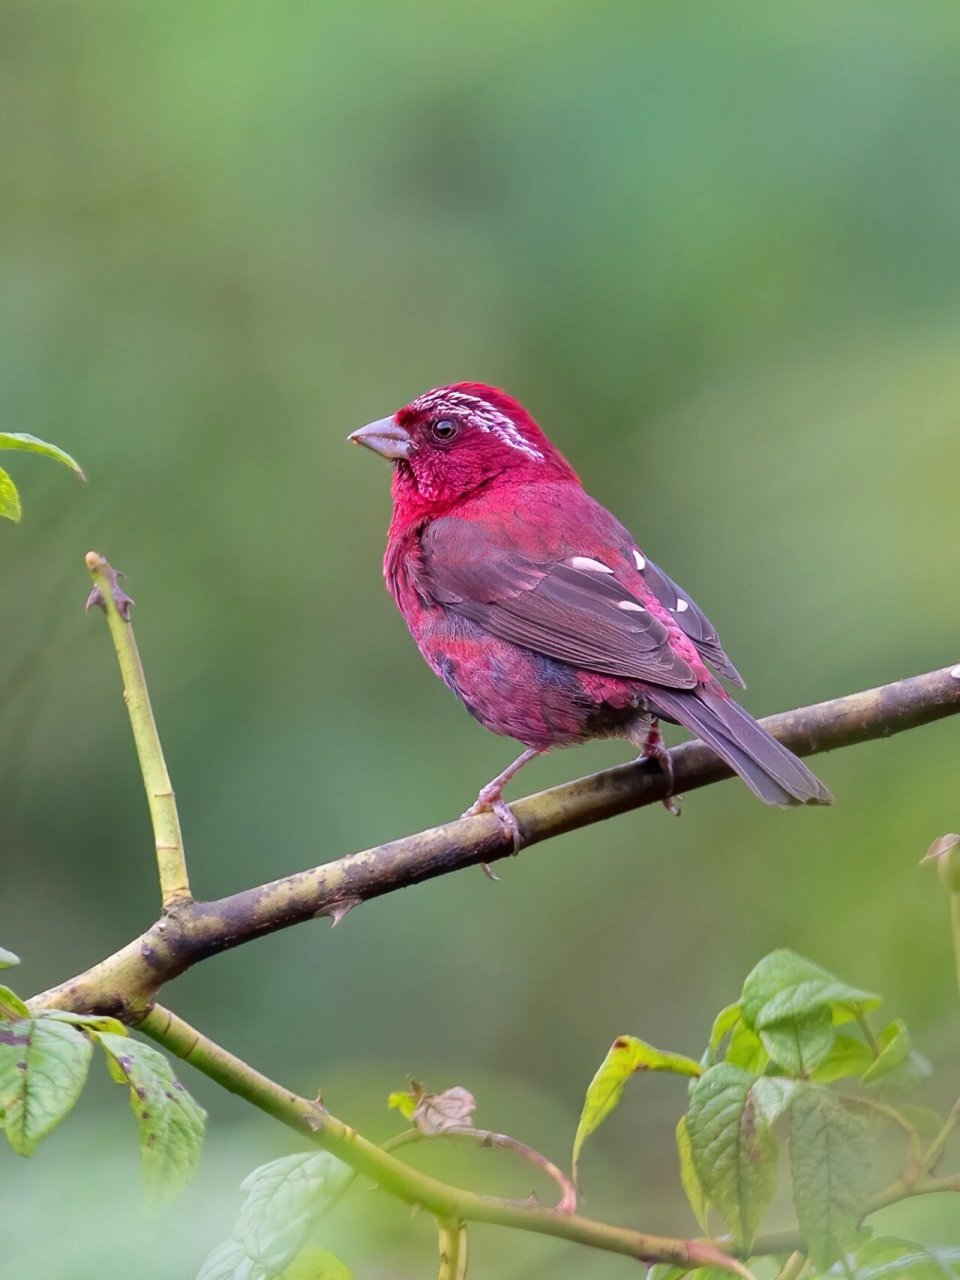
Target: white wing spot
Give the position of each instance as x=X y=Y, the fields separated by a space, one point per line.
x=629 y=604
x=641 y=562
x=591 y=566
x=682 y=606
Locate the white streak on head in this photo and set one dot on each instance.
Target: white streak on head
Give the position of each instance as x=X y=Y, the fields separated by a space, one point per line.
x=682 y=606
x=641 y=563
x=632 y=606
x=955 y=672
x=480 y=414
x=588 y=564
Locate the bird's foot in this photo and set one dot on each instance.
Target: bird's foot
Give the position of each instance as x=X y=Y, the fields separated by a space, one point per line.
x=490 y=800
x=654 y=748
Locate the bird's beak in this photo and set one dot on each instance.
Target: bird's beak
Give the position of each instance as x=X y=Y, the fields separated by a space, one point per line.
x=386 y=438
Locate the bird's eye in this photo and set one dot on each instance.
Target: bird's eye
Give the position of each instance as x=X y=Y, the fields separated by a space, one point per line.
x=445 y=430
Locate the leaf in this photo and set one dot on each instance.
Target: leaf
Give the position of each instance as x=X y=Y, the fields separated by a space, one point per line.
x=12 y=1007
x=285 y=1200
x=785 y=986
x=437 y=1113
x=31 y=444
x=43 y=1068
x=726 y=1021
x=895 y=1048
x=10 y=507
x=93 y=1021
x=799 y=1045
x=690 y=1179
x=746 y=1050
x=848 y=1058
x=830 y=1165
x=734 y=1151
x=403 y=1102
x=773 y=1095
x=627 y=1056
x=171 y=1124
x=889 y=1258
x=7 y=959
x=313 y=1263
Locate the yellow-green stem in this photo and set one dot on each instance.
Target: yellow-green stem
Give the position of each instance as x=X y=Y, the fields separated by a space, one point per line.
x=171 y=863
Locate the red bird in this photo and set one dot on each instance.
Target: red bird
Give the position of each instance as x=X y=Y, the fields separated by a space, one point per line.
x=537 y=607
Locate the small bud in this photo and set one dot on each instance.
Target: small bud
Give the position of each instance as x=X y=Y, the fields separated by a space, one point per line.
x=945 y=852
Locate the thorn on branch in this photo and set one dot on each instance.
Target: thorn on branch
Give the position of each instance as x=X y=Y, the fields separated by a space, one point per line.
x=100 y=567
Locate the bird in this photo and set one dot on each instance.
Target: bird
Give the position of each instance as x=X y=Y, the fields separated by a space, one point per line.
x=539 y=609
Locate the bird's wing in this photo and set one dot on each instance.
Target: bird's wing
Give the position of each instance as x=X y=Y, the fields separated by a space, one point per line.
x=690 y=619
x=519 y=578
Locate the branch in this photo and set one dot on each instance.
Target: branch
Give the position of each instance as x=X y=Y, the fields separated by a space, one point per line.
x=115 y=603
x=450 y=1205
x=126 y=983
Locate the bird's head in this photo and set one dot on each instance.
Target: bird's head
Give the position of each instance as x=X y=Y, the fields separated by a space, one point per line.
x=453 y=440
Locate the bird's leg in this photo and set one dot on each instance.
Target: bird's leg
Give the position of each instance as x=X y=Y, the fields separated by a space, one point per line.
x=654 y=748
x=490 y=800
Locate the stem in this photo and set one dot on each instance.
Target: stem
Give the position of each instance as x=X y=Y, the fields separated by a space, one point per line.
x=794 y=1266
x=940 y=1141
x=868 y=1034
x=446 y=1203
x=171 y=864
x=955 y=931
x=484 y=1138
x=453 y=1250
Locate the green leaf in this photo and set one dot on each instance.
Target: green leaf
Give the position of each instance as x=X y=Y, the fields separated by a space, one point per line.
x=285 y=1201
x=895 y=1048
x=691 y=1179
x=785 y=986
x=7 y=959
x=171 y=1124
x=889 y=1258
x=746 y=1050
x=734 y=1151
x=43 y=1068
x=848 y=1058
x=93 y=1021
x=627 y=1056
x=830 y=1165
x=799 y=1045
x=726 y=1021
x=316 y=1264
x=403 y=1102
x=20 y=440
x=773 y=1095
x=10 y=507
x=12 y=1007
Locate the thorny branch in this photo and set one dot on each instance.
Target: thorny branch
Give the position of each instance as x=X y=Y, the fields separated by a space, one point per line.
x=127 y=983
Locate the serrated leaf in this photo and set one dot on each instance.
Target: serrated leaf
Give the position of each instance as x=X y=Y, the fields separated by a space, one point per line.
x=229 y=1261
x=626 y=1057
x=12 y=1008
x=43 y=1068
x=830 y=1166
x=889 y=1258
x=895 y=1048
x=773 y=1095
x=690 y=1179
x=10 y=507
x=316 y=1264
x=31 y=444
x=7 y=959
x=786 y=986
x=799 y=1045
x=848 y=1059
x=285 y=1201
x=734 y=1151
x=171 y=1124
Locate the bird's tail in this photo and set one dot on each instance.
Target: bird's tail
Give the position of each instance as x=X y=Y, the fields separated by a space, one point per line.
x=770 y=771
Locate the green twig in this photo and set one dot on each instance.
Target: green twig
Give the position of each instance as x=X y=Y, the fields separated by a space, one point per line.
x=935 y=1150
x=453 y=1250
x=448 y=1204
x=794 y=1266
x=171 y=864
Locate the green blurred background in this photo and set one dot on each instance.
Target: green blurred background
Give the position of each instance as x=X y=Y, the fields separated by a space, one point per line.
x=716 y=249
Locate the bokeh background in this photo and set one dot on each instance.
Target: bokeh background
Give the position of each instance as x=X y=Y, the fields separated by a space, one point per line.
x=716 y=249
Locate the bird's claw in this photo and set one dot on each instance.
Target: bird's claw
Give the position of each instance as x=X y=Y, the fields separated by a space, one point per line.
x=509 y=826
x=654 y=749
